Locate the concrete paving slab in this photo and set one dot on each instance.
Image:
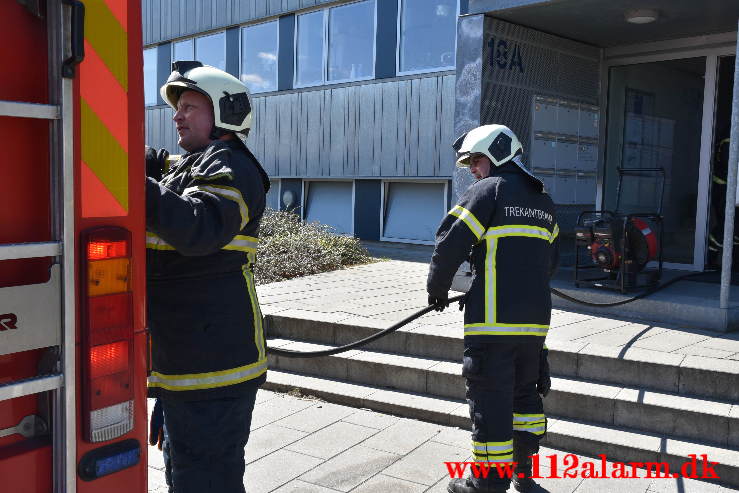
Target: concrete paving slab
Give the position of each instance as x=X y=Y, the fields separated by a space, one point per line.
x=350 y=469
x=298 y=486
x=402 y=437
x=269 y=439
x=371 y=419
x=584 y=328
x=315 y=417
x=625 y=334
x=274 y=470
x=275 y=409
x=157 y=481
x=425 y=464
x=385 y=484
x=670 y=340
x=456 y=437
x=332 y=440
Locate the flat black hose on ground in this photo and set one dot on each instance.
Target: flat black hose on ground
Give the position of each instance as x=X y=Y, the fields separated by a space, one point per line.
x=328 y=352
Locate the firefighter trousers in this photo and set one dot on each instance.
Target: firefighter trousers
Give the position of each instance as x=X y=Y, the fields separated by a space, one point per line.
x=204 y=443
x=501 y=392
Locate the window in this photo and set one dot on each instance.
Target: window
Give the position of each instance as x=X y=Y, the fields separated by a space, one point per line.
x=336 y=44
x=309 y=49
x=427 y=35
x=331 y=203
x=412 y=211
x=150 y=76
x=259 y=56
x=183 y=50
x=351 y=42
x=211 y=50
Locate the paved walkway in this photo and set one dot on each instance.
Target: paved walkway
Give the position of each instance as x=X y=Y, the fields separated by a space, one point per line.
x=386 y=292
x=304 y=445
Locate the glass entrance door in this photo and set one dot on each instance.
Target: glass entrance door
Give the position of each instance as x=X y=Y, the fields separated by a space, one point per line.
x=654 y=120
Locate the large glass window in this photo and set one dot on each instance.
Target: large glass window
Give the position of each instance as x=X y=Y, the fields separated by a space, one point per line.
x=428 y=31
x=150 y=76
x=211 y=50
x=351 y=42
x=309 y=49
x=336 y=44
x=183 y=50
x=259 y=56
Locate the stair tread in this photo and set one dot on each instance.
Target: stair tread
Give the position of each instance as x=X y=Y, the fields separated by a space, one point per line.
x=365 y=395
x=694 y=404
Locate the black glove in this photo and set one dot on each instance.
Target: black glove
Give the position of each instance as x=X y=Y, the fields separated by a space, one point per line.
x=545 y=382
x=439 y=303
x=156 y=425
x=156 y=162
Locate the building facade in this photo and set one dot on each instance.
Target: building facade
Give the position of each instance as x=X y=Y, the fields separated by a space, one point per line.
x=357 y=102
x=353 y=101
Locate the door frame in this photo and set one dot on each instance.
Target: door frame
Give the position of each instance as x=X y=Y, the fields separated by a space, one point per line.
x=711 y=47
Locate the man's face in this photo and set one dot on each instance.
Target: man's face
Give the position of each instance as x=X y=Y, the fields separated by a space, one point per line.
x=479 y=166
x=194 y=120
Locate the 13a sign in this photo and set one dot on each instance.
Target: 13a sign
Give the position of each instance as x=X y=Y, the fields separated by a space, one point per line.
x=505 y=54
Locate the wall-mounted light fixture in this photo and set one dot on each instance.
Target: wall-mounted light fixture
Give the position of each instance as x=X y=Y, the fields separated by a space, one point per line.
x=641 y=16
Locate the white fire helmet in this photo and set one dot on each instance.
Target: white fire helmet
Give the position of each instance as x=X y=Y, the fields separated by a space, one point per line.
x=497 y=142
x=230 y=98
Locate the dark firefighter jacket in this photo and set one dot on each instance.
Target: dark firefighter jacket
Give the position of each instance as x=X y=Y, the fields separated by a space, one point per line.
x=202 y=223
x=509 y=223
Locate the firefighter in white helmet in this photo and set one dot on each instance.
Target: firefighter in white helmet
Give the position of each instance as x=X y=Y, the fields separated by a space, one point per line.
x=202 y=220
x=506 y=220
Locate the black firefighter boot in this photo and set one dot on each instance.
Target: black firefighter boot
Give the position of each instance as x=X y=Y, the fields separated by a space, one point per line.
x=465 y=485
x=522 y=452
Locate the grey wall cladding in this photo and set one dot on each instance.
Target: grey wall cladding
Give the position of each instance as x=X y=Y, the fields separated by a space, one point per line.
x=169 y=19
x=394 y=128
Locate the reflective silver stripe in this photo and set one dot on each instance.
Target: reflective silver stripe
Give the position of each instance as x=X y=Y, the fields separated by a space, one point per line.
x=154 y=242
x=555 y=233
x=198 y=381
x=481 y=447
x=535 y=430
x=469 y=219
x=229 y=193
x=483 y=329
x=243 y=243
x=519 y=231
x=528 y=419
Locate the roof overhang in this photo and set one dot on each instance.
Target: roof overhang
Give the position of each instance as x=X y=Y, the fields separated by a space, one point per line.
x=603 y=23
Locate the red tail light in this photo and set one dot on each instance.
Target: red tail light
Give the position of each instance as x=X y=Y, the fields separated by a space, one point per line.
x=107 y=334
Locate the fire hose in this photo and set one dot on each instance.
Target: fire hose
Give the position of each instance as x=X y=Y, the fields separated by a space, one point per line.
x=328 y=352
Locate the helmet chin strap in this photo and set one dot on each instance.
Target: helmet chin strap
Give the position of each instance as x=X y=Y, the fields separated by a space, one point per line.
x=217 y=133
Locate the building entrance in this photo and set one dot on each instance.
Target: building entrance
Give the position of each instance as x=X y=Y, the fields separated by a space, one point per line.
x=654 y=121
x=719 y=162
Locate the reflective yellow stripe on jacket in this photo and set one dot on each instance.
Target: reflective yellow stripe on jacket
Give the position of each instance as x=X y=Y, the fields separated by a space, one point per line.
x=210 y=380
x=469 y=219
x=229 y=193
x=491 y=326
x=241 y=243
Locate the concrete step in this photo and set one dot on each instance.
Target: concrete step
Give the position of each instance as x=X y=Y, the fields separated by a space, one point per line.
x=607 y=404
x=636 y=367
x=615 y=442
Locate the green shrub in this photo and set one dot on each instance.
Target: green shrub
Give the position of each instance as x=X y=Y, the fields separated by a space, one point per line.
x=290 y=248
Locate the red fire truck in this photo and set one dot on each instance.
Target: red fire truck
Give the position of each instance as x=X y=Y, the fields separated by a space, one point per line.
x=73 y=343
